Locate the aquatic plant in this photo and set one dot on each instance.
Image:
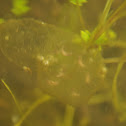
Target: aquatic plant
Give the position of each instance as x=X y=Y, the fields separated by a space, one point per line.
x=20 y=7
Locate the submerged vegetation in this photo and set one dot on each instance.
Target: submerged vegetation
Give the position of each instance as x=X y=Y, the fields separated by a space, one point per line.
x=58 y=77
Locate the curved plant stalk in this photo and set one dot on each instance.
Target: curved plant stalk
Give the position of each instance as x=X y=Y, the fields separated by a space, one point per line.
x=13 y=96
x=33 y=107
x=115 y=98
x=69 y=115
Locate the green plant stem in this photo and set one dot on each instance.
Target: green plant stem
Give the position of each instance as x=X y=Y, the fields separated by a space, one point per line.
x=114 y=86
x=117 y=14
x=69 y=115
x=13 y=96
x=112 y=60
x=80 y=15
x=106 y=12
x=102 y=22
x=100 y=29
x=118 y=44
x=32 y=107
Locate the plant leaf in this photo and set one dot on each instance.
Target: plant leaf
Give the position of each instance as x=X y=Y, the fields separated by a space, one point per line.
x=78 y=2
x=20 y=7
x=85 y=35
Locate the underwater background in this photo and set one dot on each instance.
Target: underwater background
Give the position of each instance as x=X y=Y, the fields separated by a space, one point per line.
x=62 y=62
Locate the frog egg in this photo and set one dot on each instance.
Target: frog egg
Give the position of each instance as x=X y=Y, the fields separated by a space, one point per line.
x=53 y=83
x=75 y=94
x=40 y=58
x=27 y=69
x=103 y=72
x=7 y=37
x=46 y=62
x=87 y=78
x=43 y=23
x=43 y=60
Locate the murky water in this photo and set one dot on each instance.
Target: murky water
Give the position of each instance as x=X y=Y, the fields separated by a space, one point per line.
x=50 y=77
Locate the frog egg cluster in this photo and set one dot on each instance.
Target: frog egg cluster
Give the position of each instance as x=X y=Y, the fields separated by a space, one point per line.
x=48 y=60
x=63 y=69
x=74 y=78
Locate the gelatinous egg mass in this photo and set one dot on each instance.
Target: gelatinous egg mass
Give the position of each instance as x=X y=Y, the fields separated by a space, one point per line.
x=63 y=68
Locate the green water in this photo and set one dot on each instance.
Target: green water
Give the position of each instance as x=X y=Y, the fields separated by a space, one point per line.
x=50 y=75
